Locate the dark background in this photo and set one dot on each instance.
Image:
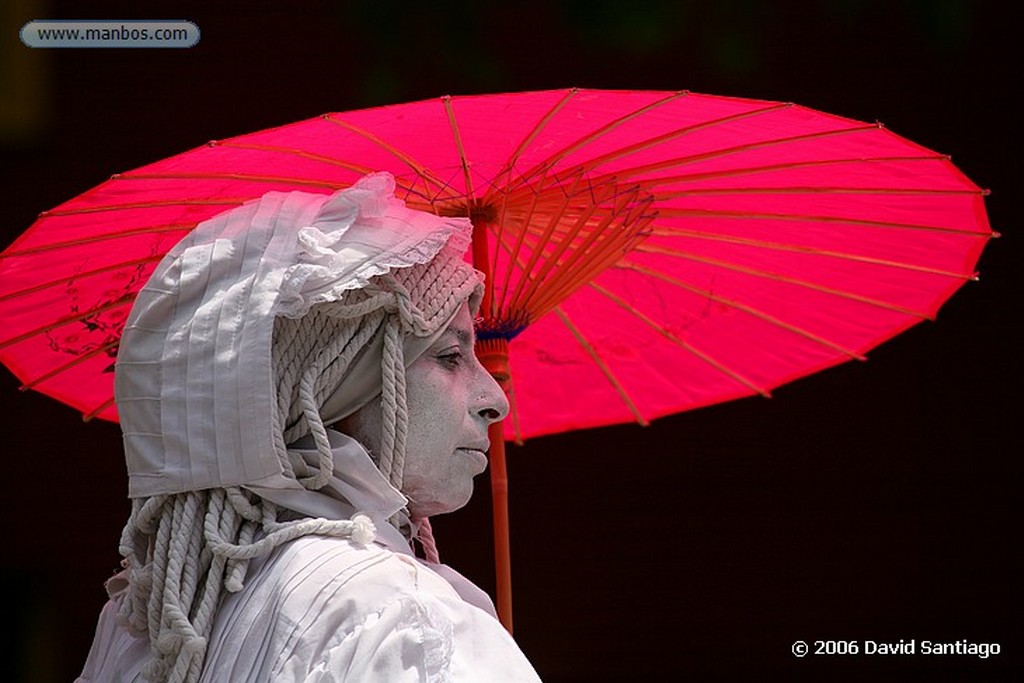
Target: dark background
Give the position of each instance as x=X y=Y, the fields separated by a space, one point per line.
x=872 y=501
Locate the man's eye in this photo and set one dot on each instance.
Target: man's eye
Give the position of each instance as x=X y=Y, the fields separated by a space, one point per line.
x=451 y=358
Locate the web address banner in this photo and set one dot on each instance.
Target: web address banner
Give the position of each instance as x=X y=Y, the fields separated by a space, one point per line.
x=56 y=33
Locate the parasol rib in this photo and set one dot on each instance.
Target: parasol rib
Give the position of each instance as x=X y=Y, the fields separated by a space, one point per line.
x=408 y=188
x=514 y=252
x=294 y=152
x=565 y=241
x=669 y=212
x=457 y=137
x=84 y=274
x=676 y=253
x=121 y=301
x=81 y=358
x=771 y=168
x=554 y=219
x=728 y=151
x=813 y=190
x=419 y=169
x=592 y=263
x=277 y=180
x=660 y=329
x=489 y=196
x=550 y=161
x=232 y=201
x=666 y=231
x=499 y=228
x=605 y=370
x=87 y=417
x=623 y=152
x=541 y=124
x=761 y=315
x=148 y=230
x=630 y=172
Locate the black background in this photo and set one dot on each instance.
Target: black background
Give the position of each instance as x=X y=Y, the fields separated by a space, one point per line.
x=872 y=501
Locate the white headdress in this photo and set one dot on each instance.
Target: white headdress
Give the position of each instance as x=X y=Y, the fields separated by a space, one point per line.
x=261 y=326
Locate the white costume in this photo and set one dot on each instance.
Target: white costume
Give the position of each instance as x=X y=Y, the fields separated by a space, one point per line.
x=262 y=546
x=326 y=609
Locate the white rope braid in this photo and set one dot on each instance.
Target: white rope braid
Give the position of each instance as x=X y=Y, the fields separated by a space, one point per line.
x=183 y=551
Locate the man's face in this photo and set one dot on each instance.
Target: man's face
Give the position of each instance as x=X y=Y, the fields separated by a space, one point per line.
x=451 y=401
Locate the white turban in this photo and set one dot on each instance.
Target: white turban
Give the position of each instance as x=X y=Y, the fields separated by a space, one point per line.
x=194 y=382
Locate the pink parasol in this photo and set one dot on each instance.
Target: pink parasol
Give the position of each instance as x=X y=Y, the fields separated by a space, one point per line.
x=646 y=252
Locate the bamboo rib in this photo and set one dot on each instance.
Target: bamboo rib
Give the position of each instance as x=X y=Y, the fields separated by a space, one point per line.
x=584 y=262
x=87 y=417
x=553 y=220
x=540 y=125
x=557 y=289
x=629 y=150
x=590 y=263
x=808 y=189
x=234 y=176
x=110 y=236
x=737 y=149
x=84 y=274
x=419 y=169
x=127 y=299
x=565 y=241
x=519 y=241
x=660 y=329
x=553 y=296
x=457 y=137
x=658 y=181
x=233 y=201
x=671 y=212
x=761 y=315
x=671 y=231
x=359 y=169
x=295 y=152
x=550 y=161
x=98 y=351
x=727 y=265
x=605 y=370
x=579 y=253
x=631 y=172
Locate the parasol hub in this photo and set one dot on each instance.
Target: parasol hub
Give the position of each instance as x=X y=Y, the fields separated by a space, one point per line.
x=493 y=355
x=483 y=213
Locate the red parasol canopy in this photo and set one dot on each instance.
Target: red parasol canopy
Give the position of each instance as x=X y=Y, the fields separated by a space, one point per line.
x=647 y=252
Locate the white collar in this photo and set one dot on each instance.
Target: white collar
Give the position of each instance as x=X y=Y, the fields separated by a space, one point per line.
x=356 y=485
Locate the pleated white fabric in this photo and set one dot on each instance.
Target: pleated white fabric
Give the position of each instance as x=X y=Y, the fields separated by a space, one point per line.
x=329 y=610
x=194 y=383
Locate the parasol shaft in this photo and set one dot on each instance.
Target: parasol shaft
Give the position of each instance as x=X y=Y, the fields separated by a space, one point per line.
x=494 y=356
x=502 y=553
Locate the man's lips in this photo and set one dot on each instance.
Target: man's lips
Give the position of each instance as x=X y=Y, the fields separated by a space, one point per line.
x=478 y=454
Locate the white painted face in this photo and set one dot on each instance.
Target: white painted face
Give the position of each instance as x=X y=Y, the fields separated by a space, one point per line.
x=451 y=401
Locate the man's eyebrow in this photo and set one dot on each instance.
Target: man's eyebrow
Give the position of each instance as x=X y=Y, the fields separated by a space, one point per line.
x=464 y=336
